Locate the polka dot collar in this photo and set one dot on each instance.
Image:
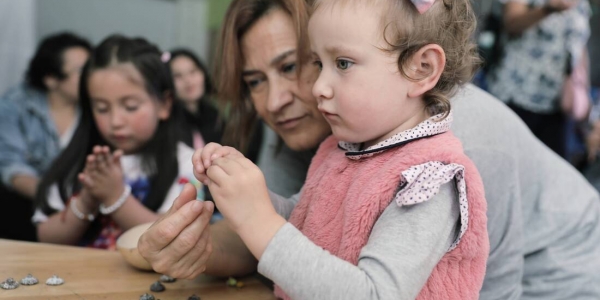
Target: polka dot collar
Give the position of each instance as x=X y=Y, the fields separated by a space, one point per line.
x=429 y=127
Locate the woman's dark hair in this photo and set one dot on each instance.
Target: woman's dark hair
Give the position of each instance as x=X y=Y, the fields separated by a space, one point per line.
x=233 y=93
x=159 y=155
x=48 y=59
x=207 y=119
x=209 y=88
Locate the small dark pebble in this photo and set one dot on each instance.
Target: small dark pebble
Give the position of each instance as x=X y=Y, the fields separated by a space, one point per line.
x=167 y=279
x=194 y=297
x=157 y=287
x=146 y=296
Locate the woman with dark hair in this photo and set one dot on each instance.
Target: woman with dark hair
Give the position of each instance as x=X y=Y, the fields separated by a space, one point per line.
x=125 y=164
x=195 y=89
x=37 y=119
x=543 y=217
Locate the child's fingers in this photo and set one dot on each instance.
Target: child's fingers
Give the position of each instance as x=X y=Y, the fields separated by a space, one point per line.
x=104 y=159
x=197 y=162
x=244 y=162
x=117 y=156
x=225 y=151
x=216 y=175
x=207 y=153
x=91 y=164
x=85 y=180
x=229 y=165
x=203 y=178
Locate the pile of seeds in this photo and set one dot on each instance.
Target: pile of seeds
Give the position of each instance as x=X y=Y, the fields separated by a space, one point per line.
x=11 y=283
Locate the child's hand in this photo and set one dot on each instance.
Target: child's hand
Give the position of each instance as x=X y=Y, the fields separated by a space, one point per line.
x=103 y=176
x=202 y=158
x=239 y=190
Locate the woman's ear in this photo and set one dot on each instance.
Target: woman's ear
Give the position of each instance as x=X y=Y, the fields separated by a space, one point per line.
x=51 y=82
x=164 y=107
x=425 y=67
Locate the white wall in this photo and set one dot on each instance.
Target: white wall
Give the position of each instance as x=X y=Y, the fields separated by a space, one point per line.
x=17 y=40
x=167 y=23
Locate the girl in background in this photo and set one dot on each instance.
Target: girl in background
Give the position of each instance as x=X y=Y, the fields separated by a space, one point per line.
x=124 y=165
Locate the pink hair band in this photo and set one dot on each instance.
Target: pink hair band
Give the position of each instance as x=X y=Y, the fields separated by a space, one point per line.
x=422 y=5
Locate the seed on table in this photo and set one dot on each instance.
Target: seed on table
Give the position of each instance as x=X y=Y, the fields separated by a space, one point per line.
x=157 y=287
x=146 y=296
x=55 y=280
x=194 y=297
x=29 y=280
x=9 y=284
x=167 y=279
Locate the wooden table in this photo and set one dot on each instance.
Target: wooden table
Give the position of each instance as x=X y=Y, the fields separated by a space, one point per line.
x=101 y=274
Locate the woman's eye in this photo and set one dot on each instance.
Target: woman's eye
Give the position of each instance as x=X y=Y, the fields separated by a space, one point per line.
x=343 y=64
x=288 y=68
x=253 y=83
x=318 y=64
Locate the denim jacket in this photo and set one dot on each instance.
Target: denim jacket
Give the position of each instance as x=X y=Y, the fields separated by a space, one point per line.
x=29 y=141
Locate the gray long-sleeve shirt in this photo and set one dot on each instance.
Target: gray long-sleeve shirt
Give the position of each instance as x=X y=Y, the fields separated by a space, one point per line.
x=405 y=245
x=543 y=216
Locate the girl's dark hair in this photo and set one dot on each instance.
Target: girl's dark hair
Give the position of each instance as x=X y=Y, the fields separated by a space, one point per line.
x=159 y=155
x=48 y=59
x=209 y=88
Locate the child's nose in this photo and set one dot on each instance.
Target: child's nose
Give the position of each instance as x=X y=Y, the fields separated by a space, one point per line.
x=117 y=119
x=322 y=89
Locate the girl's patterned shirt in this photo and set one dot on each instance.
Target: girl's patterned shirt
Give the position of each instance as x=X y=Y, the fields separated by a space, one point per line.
x=421 y=182
x=138 y=180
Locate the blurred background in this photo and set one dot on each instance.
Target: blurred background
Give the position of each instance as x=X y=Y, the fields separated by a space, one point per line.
x=191 y=24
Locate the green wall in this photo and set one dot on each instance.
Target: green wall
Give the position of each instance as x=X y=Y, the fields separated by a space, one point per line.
x=216 y=10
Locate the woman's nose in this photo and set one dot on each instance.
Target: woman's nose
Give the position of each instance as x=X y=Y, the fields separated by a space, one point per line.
x=280 y=95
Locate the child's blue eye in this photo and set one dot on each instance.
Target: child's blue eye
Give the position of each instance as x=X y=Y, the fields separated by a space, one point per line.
x=343 y=64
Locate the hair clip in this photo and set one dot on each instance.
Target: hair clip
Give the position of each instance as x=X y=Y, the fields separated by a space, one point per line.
x=422 y=5
x=165 y=57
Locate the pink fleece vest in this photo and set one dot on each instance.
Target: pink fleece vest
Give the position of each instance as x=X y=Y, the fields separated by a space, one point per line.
x=343 y=198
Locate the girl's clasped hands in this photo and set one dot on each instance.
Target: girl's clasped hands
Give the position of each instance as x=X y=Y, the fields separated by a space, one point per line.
x=102 y=178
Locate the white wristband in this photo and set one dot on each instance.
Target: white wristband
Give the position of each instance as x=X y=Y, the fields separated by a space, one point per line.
x=78 y=213
x=109 y=210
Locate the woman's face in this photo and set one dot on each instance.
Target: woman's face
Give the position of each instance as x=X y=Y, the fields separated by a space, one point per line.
x=189 y=79
x=284 y=101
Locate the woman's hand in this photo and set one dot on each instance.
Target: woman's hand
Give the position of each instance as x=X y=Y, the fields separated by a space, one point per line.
x=179 y=243
x=103 y=176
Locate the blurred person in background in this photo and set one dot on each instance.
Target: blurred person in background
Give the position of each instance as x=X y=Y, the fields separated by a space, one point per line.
x=546 y=43
x=37 y=120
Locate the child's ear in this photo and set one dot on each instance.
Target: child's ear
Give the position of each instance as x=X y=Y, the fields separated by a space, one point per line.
x=164 y=107
x=425 y=67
